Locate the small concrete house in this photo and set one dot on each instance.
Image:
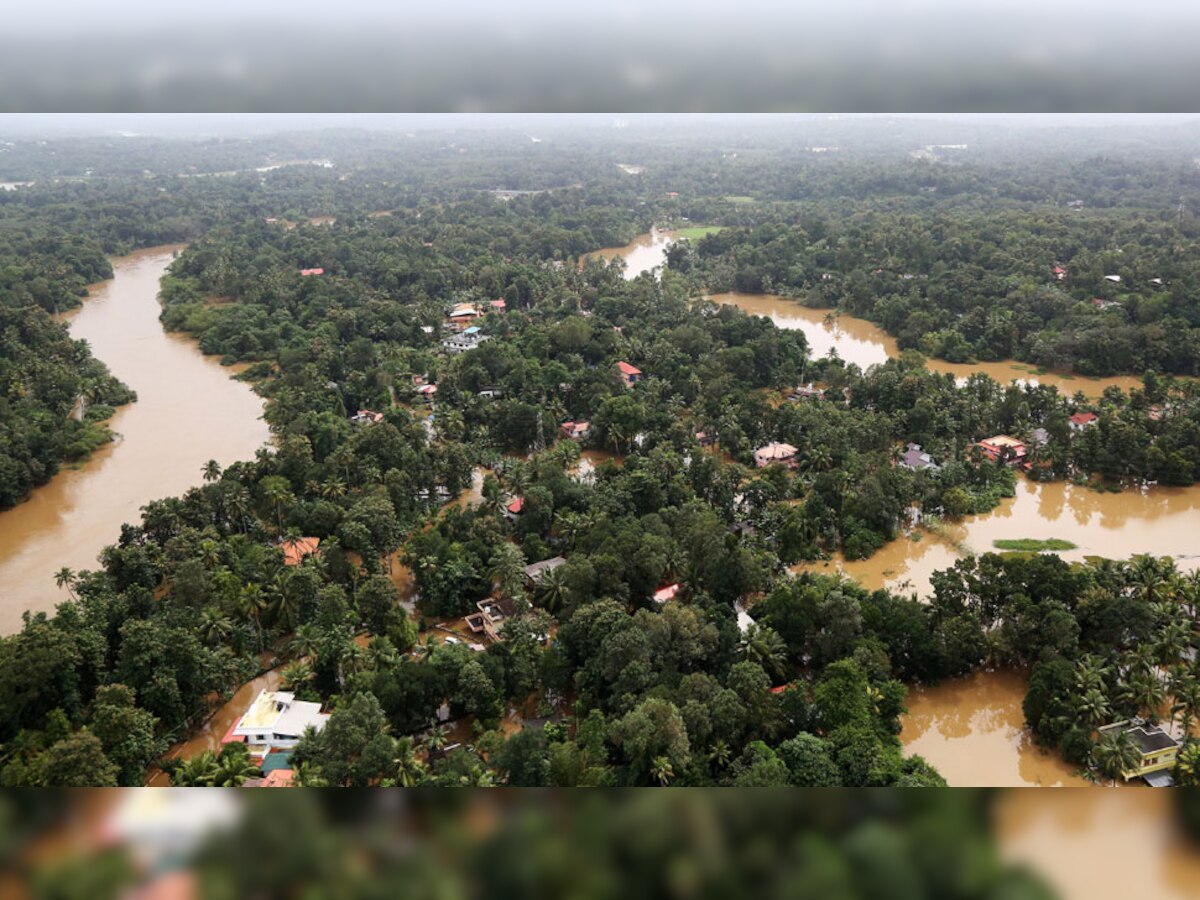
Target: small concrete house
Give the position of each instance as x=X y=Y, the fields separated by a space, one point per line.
x=629 y=374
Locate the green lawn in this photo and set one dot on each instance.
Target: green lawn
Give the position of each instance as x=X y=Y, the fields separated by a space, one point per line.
x=1033 y=545
x=695 y=232
x=740 y=199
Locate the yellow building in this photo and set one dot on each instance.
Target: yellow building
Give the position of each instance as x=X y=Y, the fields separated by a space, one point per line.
x=1157 y=748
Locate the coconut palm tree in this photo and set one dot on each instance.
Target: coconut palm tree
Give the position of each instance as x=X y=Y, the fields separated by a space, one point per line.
x=719 y=755
x=435 y=740
x=478 y=776
x=410 y=771
x=1114 y=754
x=552 y=591
x=295 y=675
x=1186 y=708
x=1187 y=764
x=762 y=644
x=306 y=641
x=237 y=505
x=508 y=569
x=214 y=626
x=65 y=577
x=662 y=771
x=306 y=774
x=199 y=771
x=1145 y=691
x=1093 y=708
x=233 y=769
x=211 y=471
x=1091 y=674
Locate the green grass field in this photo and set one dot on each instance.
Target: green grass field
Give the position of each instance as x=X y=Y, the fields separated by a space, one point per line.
x=1033 y=545
x=695 y=232
x=740 y=199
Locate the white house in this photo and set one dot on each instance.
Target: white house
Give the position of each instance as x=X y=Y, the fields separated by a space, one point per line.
x=277 y=719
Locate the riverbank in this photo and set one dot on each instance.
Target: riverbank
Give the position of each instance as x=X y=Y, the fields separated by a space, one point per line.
x=189 y=410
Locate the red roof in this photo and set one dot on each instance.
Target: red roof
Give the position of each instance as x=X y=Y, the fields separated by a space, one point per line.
x=627 y=369
x=780 y=688
x=1059 y=270
x=294 y=552
x=312 y=271
x=499 y=304
x=516 y=505
x=1084 y=418
x=667 y=592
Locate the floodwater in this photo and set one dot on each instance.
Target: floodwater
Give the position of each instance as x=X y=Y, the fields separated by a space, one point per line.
x=208 y=736
x=972 y=730
x=641 y=254
x=188 y=412
x=865 y=344
x=1160 y=521
x=1096 y=844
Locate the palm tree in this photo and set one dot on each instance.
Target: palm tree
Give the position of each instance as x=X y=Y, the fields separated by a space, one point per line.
x=1093 y=708
x=237 y=505
x=1186 y=708
x=278 y=493
x=65 y=577
x=762 y=644
x=1114 y=754
x=215 y=627
x=306 y=774
x=478 y=776
x=199 y=771
x=295 y=675
x=282 y=603
x=1091 y=674
x=306 y=641
x=552 y=591
x=435 y=741
x=211 y=470
x=233 y=769
x=409 y=770
x=662 y=771
x=1146 y=692
x=508 y=569
x=1187 y=764
x=719 y=755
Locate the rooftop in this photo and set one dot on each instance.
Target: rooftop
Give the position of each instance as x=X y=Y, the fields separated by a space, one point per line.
x=627 y=369
x=535 y=571
x=775 y=451
x=295 y=552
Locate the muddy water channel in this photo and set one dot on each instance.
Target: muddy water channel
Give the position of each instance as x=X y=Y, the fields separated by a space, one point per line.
x=1159 y=521
x=865 y=344
x=188 y=411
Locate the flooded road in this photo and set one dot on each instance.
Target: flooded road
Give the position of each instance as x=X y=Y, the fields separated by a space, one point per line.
x=188 y=411
x=865 y=344
x=209 y=735
x=972 y=730
x=1162 y=521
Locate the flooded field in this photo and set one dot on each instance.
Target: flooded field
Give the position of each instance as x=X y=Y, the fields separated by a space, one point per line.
x=641 y=254
x=1097 y=844
x=865 y=344
x=1162 y=521
x=972 y=730
x=188 y=411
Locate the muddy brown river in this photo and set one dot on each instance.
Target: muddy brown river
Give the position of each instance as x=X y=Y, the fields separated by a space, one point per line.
x=641 y=254
x=188 y=411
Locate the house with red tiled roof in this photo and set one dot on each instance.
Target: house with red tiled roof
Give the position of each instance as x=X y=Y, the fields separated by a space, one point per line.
x=629 y=374
x=575 y=431
x=1059 y=273
x=1082 y=420
x=295 y=552
x=499 y=305
x=307 y=272
x=1003 y=446
x=514 y=508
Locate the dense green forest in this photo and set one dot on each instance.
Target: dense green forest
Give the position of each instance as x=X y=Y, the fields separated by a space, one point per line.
x=747 y=675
